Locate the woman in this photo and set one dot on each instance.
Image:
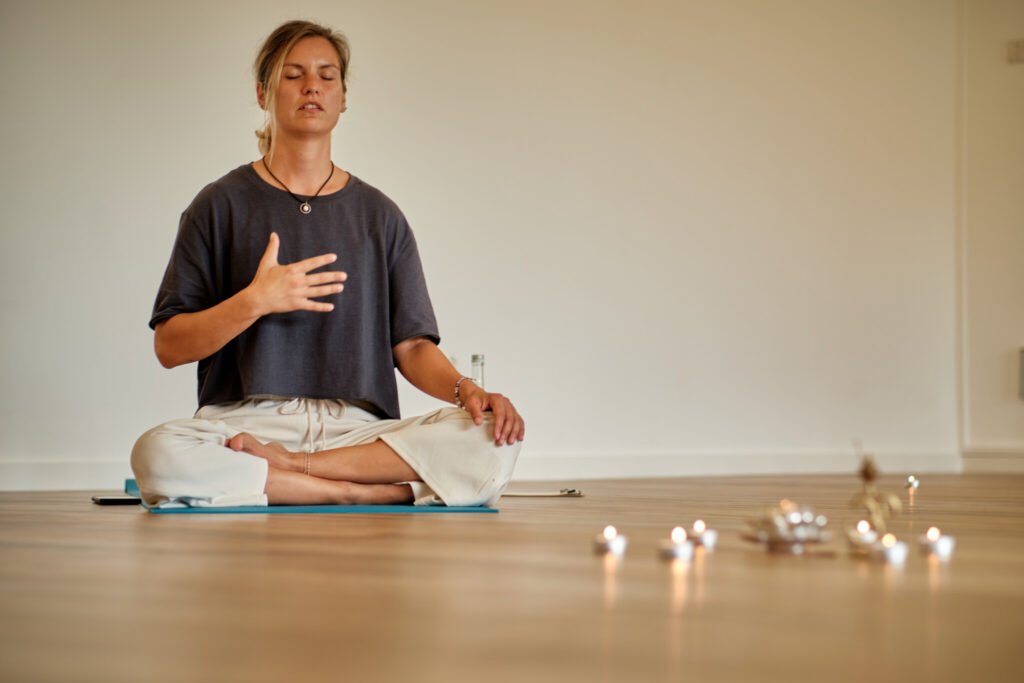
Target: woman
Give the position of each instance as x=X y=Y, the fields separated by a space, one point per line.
x=298 y=289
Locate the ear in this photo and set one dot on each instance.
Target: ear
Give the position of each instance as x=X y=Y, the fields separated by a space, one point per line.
x=344 y=100
x=261 y=96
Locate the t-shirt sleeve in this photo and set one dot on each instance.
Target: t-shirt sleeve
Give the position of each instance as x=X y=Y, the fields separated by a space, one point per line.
x=412 y=314
x=188 y=284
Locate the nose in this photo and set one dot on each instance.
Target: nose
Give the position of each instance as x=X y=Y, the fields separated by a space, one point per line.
x=309 y=87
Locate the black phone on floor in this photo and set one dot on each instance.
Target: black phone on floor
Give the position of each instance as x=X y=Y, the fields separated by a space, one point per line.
x=122 y=499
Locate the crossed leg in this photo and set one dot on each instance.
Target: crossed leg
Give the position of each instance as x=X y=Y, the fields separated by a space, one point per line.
x=294 y=488
x=352 y=475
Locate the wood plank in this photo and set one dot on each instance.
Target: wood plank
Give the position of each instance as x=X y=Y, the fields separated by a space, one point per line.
x=91 y=593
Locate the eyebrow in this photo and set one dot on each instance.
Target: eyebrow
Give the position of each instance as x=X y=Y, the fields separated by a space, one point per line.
x=322 y=66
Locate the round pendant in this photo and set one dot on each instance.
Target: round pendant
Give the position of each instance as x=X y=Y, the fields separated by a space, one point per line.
x=304 y=207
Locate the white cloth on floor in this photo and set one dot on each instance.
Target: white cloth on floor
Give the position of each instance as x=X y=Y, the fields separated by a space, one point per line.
x=187 y=462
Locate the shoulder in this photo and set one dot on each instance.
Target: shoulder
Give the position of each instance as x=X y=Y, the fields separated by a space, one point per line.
x=373 y=199
x=383 y=217
x=235 y=185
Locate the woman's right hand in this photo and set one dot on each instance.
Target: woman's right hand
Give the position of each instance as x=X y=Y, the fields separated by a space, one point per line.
x=280 y=288
x=189 y=337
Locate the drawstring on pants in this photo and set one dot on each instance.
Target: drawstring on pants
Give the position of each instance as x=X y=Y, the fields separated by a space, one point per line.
x=321 y=407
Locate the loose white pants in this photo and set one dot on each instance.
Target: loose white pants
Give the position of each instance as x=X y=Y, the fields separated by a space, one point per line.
x=186 y=462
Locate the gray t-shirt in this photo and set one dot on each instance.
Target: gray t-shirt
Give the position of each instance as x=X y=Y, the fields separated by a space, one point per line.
x=343 y=354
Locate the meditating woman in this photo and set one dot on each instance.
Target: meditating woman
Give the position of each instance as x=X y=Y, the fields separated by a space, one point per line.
x=298 y=289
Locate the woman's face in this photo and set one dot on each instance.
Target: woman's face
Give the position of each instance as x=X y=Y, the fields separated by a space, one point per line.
x=310 y=95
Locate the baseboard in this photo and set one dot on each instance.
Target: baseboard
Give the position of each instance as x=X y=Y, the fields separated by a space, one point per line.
x=63 y=475
x=577 y=466
x=33 y=475
x=994 y=459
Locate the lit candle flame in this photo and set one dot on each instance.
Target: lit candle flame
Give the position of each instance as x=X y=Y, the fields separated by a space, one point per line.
x=610 y=532
x=863 y=526
x=933 y=534
x=888 y=540
x=699 y=526
x=678 y=535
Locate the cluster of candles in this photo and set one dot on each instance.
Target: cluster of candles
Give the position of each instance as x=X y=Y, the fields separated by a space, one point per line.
x=680 y=544
x=865 y=541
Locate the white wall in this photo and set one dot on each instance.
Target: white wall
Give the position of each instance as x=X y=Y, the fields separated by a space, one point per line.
x=992 y=215
x=690 y=237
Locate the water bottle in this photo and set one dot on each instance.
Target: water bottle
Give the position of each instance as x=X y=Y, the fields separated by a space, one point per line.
x=478 y=370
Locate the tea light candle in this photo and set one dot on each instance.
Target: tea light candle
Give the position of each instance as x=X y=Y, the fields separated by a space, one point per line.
x=862 y=538
x=677 y=547
x=937 y=543
x=704 y=536
x=610 y=541
x=891 y=550
x=865 y=532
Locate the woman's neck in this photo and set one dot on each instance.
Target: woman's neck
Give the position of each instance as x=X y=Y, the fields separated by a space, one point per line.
x=303 y=167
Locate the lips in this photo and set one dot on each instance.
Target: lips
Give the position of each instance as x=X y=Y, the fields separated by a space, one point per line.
x=311 y=106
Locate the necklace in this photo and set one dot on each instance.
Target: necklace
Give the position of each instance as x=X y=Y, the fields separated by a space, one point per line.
x=304 y=206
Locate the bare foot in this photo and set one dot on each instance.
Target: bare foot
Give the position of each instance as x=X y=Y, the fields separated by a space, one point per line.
x=274 y=453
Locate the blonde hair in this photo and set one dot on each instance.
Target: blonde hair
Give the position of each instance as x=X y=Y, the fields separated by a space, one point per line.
x=270 y=63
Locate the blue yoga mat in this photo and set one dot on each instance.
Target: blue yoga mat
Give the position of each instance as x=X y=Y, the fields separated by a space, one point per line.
x=131 y=487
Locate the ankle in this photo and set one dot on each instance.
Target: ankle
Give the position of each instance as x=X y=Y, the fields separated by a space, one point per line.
x=346 y=493
x=296 y=462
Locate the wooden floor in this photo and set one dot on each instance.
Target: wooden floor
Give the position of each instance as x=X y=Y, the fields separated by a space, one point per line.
x=108 y=594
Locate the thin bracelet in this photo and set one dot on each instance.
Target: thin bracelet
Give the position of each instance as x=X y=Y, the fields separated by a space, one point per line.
x=458 y=397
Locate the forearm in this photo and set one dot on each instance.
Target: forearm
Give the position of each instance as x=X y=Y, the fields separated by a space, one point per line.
x=423 y=364
x=189 y=337
x=275 y=288
x=429 y=370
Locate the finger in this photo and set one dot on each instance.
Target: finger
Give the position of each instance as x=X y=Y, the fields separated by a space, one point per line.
x=323 y=290
x=314 y=262
x=270 y=255
x=476 y=411
x=317 y=306
x=507 y=435
x=512 y=422
x=326 y=277
x=499 y=422
x=516 y=431
x=507 y=424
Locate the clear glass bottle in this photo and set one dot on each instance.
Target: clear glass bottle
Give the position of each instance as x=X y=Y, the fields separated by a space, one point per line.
x=478 y=370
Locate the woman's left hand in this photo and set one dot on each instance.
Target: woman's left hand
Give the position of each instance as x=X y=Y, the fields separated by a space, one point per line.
x=508 y=423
